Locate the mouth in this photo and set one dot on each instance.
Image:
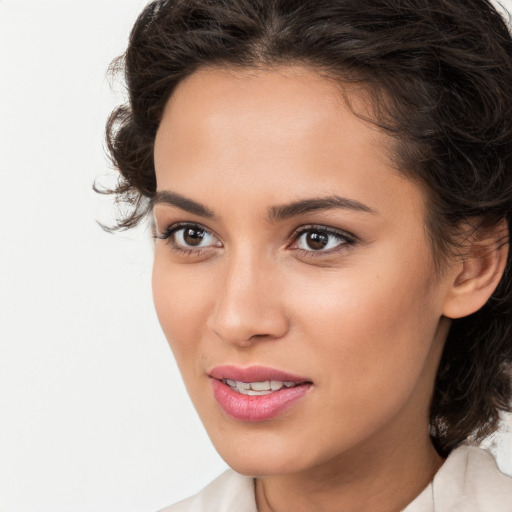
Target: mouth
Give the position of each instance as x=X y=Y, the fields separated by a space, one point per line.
x=258 y=388
x=256 y=393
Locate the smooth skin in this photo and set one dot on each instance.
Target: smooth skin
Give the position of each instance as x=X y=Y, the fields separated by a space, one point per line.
x=342 y=291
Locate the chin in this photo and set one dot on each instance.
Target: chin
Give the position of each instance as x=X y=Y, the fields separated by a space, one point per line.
x=260 y=465
x=258 y=456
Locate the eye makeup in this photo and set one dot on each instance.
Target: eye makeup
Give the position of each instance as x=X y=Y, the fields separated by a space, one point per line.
x=310 y=241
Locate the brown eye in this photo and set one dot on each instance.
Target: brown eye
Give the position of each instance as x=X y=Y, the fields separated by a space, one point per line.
x=193 y=236
x=317 y=240
x=322 y=240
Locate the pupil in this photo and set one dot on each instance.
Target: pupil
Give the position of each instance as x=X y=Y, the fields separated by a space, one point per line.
x=193 y=236
x=317 y=240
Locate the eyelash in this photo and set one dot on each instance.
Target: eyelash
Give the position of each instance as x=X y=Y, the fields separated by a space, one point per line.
x=347 y=240
x=168 y=233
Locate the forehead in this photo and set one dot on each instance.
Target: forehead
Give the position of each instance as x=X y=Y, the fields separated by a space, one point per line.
x=261 y=102
x=262 y=132
x=275 y=107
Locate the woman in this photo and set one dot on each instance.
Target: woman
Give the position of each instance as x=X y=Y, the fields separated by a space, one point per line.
x=331 y=189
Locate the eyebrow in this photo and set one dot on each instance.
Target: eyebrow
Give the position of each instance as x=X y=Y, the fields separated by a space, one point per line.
x=276 y=213
x=303 y=206
x=183 y=203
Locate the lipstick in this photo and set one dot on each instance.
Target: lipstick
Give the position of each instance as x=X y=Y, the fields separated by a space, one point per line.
x=256 y=393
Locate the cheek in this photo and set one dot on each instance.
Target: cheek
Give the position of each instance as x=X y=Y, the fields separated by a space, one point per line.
x=178 y=306
x=370 y=330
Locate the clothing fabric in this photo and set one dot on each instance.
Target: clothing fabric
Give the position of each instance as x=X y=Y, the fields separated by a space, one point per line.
x=468 y=481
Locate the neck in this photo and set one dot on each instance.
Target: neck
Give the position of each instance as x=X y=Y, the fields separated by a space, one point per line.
x=385 y=478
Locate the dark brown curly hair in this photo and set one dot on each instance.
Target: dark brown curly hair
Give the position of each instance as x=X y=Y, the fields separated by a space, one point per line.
x=439 y=73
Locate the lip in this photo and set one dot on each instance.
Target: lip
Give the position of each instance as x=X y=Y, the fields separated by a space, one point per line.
x=254 y=374
x=261 y=407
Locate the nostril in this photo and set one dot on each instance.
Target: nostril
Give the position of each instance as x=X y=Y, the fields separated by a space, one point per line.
x=256 y=337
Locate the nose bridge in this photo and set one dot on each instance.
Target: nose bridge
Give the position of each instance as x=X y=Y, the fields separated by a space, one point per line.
x=248 y=304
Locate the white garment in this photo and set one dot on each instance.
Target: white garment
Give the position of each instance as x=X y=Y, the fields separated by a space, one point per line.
x=468 y=481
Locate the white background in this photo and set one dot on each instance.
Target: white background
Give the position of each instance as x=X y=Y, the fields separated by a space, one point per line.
x=93 y=414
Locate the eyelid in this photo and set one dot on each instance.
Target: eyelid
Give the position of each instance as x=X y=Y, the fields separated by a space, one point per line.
x=321 y=227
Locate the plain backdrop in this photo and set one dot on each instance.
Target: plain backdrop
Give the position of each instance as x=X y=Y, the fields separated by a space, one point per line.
x=93 y=414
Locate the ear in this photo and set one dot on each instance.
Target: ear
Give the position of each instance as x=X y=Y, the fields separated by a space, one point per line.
x=477 y=271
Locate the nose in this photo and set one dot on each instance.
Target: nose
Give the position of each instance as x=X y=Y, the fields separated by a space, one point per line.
x=248 y=306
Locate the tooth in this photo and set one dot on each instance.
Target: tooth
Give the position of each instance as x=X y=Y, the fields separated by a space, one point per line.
x=275 y=385
x=260 y=386
x=257 y=388
x=257 y=393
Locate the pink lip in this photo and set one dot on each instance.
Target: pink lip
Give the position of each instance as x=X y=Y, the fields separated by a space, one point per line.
x=256 y=408
x=254 y=374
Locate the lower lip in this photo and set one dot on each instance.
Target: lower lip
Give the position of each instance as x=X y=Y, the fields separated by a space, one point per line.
x=256 y=407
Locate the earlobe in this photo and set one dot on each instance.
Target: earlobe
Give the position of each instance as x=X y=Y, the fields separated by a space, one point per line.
x=477 y=274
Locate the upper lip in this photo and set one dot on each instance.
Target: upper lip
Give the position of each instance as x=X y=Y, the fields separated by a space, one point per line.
x=254 y=374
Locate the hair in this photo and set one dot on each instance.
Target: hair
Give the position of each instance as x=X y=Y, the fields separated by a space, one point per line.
x=439 y=75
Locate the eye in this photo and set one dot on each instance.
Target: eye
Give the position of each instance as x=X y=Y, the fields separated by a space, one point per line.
x=321 y=239
x=193 y=236
x=189 y=237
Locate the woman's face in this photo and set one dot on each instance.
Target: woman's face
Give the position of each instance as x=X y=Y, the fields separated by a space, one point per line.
x=290 y=250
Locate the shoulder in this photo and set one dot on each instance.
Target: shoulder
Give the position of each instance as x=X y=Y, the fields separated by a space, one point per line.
x=475 y=472
x=468 y=481
x=230 y=492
